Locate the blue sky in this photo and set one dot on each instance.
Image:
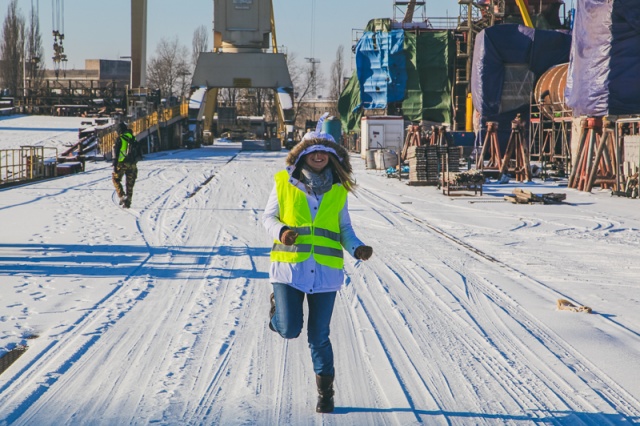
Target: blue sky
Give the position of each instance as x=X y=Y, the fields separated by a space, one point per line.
x=97 y=29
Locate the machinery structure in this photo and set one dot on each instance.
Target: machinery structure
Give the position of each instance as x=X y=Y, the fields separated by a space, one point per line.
x=241 y=58
x=100 y=88
x=443 y=43
x=59 y=57
x=474 y=17
x=550 y=122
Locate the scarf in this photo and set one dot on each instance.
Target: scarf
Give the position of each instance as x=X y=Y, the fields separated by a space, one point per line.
x=319 y=183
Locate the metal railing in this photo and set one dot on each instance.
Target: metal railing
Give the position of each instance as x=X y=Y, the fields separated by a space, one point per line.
x=27 y=163
x=107 y=137
x=37 y=162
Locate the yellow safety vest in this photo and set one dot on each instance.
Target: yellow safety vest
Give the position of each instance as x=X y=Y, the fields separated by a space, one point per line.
x=320 y=237
x=124 y=147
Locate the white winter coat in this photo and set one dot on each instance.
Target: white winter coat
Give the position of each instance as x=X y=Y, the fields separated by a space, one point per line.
x=308 y=276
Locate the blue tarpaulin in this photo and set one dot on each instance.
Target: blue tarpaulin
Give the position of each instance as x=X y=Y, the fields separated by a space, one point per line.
x=604 y=70
x=381 y=68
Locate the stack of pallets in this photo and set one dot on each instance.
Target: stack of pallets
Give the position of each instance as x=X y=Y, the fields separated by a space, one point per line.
x=423 y=165
x=451 y=154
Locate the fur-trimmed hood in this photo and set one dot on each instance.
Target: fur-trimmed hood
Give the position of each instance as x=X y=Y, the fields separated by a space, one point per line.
x=319 y=144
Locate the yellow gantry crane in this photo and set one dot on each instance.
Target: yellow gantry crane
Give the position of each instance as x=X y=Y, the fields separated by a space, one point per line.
x=281 y=119
x=240 y=58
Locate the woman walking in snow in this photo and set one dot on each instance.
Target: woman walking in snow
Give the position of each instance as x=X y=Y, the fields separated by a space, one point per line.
x=307 y=215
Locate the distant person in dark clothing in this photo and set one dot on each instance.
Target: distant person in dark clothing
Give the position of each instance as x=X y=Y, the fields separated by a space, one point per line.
x=126 y=152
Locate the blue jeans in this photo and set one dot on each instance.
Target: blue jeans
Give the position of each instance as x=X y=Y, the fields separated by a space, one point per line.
x=288 y=322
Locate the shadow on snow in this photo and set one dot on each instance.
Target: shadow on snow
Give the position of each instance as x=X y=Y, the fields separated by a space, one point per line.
x=121 y=260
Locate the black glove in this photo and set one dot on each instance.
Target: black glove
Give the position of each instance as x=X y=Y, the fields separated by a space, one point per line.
x=363 y=252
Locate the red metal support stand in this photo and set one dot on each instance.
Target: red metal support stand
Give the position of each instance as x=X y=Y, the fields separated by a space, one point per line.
x=596 y=160
x=491 y=146
x=520 y=149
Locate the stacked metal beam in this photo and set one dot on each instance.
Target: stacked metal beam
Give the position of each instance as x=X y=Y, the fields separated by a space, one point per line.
x=452 y=158
x=423 y=165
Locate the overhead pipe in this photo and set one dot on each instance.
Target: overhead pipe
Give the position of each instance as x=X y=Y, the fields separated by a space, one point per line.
x=469 y=116
x=525 y=13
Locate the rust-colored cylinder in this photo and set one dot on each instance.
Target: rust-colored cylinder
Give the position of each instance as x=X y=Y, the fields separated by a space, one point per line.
x=549 y=92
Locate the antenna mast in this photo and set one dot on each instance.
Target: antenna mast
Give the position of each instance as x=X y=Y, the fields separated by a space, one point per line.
x=313 y=62
x=312 y=59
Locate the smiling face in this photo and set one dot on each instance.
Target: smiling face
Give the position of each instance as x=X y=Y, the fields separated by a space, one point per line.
x=317 y=160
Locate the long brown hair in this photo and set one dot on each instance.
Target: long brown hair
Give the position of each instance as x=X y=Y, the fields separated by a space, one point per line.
x=345 y=177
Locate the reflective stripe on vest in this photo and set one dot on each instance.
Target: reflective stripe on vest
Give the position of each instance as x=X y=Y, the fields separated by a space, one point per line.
x=320 y=236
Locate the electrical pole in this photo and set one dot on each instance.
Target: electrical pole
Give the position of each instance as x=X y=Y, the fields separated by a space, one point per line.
x=313 y=62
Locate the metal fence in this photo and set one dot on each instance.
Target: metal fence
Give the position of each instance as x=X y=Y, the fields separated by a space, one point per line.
x=27 y=163
x=108 y=136
x=36 y=162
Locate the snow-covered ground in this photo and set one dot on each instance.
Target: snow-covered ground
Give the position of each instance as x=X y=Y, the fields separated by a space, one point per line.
x=48 y=131
x=158 y=314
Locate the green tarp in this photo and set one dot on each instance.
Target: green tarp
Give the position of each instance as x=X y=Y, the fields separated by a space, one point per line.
x=435 y=57
x=412 y=103
x=348 y=105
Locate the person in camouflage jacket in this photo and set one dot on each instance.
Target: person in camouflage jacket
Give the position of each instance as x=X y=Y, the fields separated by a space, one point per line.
x=126 y=152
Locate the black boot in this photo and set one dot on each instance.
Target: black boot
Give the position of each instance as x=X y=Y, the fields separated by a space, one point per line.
x=272 y=311
x=325 y=394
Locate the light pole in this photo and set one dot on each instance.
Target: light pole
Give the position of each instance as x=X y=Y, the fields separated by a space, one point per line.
x=24 y=72
x=130 y=69
x=130 y=83
x=313 y=62
x=183 y=85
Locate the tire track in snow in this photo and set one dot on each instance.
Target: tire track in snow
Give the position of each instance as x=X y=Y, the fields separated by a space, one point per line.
x=610 y=392
x=47 y=366
x=50 y=357
x=221 y=385
x=219 y=348
x=419 y=363
x=168 y=213
x=70 y=348
x=394 y=376
x=505 y=361
x=169 y=202
x=213 y=346
x=502 y=310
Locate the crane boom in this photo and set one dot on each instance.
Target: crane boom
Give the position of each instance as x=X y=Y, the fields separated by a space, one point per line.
x=408 y=16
